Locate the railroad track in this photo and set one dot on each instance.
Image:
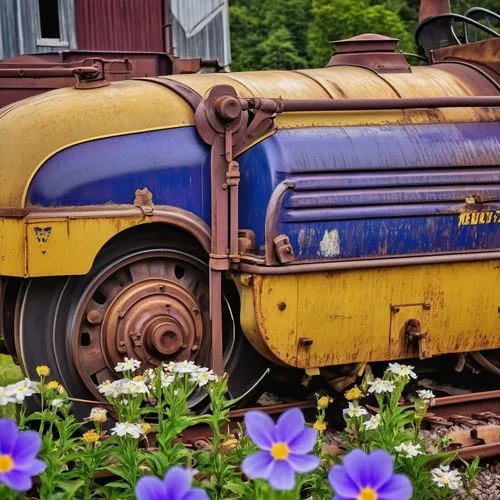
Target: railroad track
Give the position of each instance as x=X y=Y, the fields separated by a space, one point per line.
x=477 y=415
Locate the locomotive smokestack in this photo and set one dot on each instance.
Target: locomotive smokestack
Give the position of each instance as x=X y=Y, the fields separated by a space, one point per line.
x=429 y=8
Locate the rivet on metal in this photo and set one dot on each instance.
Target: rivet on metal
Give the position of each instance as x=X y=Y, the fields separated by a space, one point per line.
x=94 y=317
x=282 y=306
x=394 y=309
x=161 y=288
x=305 y=341
x=427 y=306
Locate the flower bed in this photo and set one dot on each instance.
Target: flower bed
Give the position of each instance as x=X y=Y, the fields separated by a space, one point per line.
x=384 y=456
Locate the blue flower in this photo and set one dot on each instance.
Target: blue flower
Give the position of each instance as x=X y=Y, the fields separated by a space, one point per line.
x=175 y=486
x=368 y=477
x=18 y=451
x=285 y=446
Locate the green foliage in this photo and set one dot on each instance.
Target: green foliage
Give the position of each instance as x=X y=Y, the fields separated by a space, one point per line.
x=291 y=34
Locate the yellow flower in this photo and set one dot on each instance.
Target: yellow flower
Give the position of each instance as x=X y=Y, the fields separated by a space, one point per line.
x=60 y=389
x=90 y=437
x=146 y=428
x=138 y=378
x=42 y=370
x=324 y=401
x=228 y=445
x=53 y=384
x=353 y=393
x=98 y=415
x=319 y=426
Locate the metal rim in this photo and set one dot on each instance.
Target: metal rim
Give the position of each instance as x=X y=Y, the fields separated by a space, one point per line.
x=151 y=305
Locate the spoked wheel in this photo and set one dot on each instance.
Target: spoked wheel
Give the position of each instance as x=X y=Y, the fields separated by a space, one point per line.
x=142 y=300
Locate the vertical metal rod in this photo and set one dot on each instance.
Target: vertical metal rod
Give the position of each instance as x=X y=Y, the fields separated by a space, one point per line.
x=219 y=256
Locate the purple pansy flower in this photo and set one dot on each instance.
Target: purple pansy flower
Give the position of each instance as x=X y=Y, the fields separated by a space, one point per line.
x=18 y=450
x=175 y=486
x=368 y=477
x=285 y=446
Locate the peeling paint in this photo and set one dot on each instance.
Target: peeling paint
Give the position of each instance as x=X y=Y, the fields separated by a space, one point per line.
x=330 y=244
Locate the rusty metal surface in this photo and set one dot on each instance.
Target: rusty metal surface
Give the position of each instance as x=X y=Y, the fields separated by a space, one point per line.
x=466 y=404
x=376 y=52
x=430 y=8
x=222 y=120
x=151 y=307
x=485 y=54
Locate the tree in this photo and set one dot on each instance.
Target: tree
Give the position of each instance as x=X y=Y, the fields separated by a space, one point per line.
x=340 y=19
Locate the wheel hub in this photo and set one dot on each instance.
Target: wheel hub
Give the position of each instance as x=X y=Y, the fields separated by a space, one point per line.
x=153 y=320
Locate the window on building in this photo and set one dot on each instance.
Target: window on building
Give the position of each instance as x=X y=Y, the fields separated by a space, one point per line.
x=49 y=33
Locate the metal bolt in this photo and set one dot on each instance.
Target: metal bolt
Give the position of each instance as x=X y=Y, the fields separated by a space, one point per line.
x=94 y=317
x=394 y=309
x=195 y=347
x=167 y=307
x=427 y=307
x=282 y=306
x=161 y=288
x=305 y=341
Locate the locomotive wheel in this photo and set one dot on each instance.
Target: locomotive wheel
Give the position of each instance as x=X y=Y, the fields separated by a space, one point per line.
x=142 y=299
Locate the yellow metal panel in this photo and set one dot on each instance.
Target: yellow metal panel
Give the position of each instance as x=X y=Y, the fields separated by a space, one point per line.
x=11 y=247
x=61 y=247
x=428 y=82
x=350 y=82
x=33 y=130
x=348 y=314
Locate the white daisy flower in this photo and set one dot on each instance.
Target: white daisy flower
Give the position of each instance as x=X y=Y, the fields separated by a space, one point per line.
x=166 y=380
x=6 y=397
x=132 y=387
x=355 y=411
x=373 y=423
x=446 y=478
x=425 y=395
x=125 y=428
x=379 y=386
x=183 y=367
x=402 y=370
x=203 y=376
x=409 y=449
x=57 y=403
x=109 y=389
x=21 y=390
x=129 y=365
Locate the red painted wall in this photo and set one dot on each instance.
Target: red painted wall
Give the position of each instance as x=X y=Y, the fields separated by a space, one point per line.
x=120 y=25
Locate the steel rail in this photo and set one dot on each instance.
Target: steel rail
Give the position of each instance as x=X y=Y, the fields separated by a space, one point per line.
x=466 y=404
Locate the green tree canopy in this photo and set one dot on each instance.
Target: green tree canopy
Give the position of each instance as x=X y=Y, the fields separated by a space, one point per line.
x=290 y=34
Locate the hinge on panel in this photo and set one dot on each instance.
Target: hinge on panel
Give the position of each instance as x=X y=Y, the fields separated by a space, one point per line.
x=284 y=249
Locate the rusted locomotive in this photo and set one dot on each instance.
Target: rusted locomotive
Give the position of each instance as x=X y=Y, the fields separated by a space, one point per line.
x=310 y=219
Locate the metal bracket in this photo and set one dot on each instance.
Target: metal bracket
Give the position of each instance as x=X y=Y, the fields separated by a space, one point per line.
x=414 y=334
x=284 y=249
x=144 y=201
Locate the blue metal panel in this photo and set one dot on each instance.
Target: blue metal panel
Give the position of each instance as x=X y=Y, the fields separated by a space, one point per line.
x=377 y=191
x=173 y=164
x=359 y=192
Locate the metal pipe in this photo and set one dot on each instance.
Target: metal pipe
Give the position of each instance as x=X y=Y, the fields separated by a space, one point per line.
x=312 y=267
x=293 y=105
x=430 y=8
